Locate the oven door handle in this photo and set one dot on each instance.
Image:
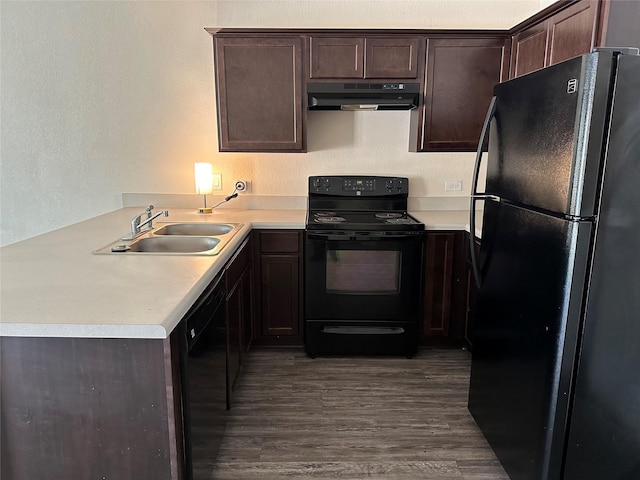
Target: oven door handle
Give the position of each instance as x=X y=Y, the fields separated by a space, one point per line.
x=363 y=236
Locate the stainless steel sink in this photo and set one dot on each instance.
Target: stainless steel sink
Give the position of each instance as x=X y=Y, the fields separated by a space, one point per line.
x=177 y=239
x=174 y=244
x=206 y=229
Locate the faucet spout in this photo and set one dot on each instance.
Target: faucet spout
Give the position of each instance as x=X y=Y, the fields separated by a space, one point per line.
x=149 y=221
x=137 y=223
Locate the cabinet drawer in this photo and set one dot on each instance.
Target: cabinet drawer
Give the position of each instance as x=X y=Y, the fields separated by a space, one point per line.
x=280 y=242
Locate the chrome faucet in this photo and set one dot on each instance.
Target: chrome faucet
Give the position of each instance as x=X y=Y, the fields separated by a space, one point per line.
x=137 y=223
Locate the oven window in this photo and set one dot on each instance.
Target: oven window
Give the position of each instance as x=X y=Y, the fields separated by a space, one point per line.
x=363 y=271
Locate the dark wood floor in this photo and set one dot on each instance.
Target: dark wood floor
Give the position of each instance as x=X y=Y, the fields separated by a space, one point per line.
x=352 y=418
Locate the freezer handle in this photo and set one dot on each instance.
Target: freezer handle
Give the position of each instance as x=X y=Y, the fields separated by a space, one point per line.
x=474 y=189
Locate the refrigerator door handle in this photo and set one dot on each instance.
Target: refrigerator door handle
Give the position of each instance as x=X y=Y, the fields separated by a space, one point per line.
x=474 y=189
x=491 y=111
x=472 y=243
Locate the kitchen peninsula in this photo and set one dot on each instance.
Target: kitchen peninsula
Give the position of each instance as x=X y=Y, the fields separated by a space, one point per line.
x=90 y=377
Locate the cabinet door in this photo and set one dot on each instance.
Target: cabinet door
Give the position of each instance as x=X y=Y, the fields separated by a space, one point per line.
x=529 y=50
x=259 y=93
x=461 y=73
x=341 y=57
x=439 y=255
x=239 y=312
x=280 y=307
x=278 y=263
x=392 y=57
x=247 y=311
x=234 y=308
x=571 y=32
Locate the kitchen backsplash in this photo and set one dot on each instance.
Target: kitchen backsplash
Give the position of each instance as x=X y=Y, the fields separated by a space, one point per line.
x=271 y=202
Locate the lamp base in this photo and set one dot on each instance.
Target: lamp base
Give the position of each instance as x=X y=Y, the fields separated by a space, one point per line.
x=205 y=210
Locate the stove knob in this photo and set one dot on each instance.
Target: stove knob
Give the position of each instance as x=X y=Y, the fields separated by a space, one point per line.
x=316 y=183
x=389 y=184
x=327 y=184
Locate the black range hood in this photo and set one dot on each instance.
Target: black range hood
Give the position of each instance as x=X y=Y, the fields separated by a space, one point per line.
x=363 y=96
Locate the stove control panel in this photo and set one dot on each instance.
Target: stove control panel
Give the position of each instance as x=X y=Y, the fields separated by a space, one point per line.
x=351 y=185
x=362 y=184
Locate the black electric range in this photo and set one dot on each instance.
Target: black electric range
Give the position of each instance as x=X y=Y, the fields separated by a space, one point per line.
x=363 y=267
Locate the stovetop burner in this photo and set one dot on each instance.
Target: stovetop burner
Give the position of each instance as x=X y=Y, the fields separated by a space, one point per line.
x=388 y=215
x=324 y=214
x=322 y=219
x=400 y=220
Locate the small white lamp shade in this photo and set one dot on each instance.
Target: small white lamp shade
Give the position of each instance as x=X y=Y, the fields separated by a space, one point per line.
x=204 y=183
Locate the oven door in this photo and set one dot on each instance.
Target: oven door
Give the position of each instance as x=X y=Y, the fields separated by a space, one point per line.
x=363 y=276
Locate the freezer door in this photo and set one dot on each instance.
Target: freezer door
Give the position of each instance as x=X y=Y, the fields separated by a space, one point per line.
x=604 y=439
x=545 y=142
x=528 y=312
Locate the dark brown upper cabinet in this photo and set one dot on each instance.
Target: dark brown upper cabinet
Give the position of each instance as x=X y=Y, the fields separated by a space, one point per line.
x=359 y=57
x=261 y=74
x=340 y=57
x=529 y=50
x=571 y=32
x=460 y=76
x=557 y=35
x=392 y=57
x=259 y=93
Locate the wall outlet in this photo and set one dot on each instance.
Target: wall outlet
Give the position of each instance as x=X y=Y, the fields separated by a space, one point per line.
x=217 y=181
x=453 y=185
x=243 y=186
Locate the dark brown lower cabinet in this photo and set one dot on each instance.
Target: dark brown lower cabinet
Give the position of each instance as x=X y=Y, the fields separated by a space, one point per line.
x=278 y=276
x=77 y=408
x=438 y=286
x=239 y=312
x=448 y=294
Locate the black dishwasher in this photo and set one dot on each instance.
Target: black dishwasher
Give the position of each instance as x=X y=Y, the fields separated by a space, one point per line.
x=203 y=370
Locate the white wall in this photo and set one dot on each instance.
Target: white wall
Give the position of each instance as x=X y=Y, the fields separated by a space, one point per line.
x=545 y=3
x=483 y=14
x=102 y=97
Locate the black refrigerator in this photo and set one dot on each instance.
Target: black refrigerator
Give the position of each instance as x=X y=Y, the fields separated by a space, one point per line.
x=555 y=374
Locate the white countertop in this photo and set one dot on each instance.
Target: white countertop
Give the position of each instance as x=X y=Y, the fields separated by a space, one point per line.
x=53 y=285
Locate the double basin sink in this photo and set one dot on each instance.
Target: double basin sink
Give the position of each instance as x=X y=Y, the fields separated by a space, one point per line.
x=178 y=239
